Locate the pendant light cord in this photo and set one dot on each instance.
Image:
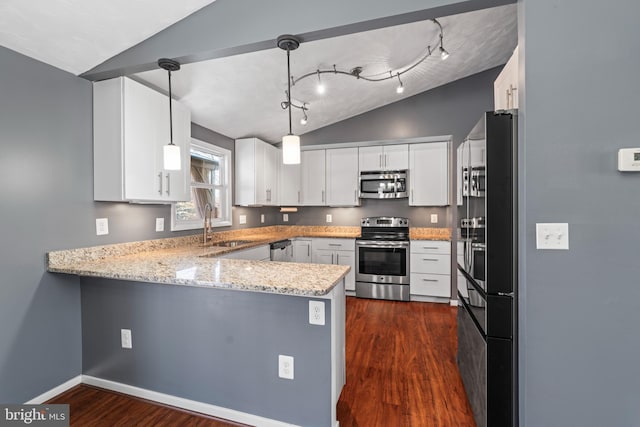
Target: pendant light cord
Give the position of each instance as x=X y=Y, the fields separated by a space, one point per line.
x=170 y=112
x=289 y=89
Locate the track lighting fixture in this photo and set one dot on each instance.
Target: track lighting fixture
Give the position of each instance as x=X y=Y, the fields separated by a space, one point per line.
x=171 y=152
x=321 y=89
x=290 y=142
x=400 y=88
x=356 y=72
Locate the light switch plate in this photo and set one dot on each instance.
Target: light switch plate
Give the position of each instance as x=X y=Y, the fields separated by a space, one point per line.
x=243 y=219
x=159 y=224
x=552 y=236
x=125 y=338
x=285 y=217
x=102 y=226
x=329 y=218
x=262 y=218
x=434 y=218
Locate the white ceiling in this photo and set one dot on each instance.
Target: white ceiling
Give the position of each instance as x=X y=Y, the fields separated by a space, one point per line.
x=77 y=35
x=240 y=96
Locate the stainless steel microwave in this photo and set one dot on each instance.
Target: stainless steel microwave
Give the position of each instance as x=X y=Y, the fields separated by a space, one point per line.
x=383 y=185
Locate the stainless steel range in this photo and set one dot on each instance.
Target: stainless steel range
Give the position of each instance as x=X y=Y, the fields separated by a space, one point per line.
x=382 y=259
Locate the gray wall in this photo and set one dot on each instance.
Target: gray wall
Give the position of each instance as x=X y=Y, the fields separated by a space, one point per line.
x=580 y=309
x=47 y=193
x=210 y=345
x=451 y=109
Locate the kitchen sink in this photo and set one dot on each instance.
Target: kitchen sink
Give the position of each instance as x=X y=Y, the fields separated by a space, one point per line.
x=230 y=243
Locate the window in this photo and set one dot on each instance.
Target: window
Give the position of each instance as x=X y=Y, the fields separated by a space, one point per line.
x=210 y=184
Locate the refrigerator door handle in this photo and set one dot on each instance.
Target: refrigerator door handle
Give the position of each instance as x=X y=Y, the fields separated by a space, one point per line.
x=506 y=294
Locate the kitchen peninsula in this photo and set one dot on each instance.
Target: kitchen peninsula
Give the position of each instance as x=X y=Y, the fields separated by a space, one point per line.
x=208 y=332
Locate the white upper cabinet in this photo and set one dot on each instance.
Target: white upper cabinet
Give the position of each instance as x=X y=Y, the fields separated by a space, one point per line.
x=342 y=177
x=256 y=172
x=505 y=87
x=290 y=185
x=312 y=164
x=429 y=174
x=131 y=125
x=384 y=157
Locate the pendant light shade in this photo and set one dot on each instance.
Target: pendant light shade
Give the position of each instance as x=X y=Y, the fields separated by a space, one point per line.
x=170 y=153
x=291 y=149
x=290 y=142
x=171 y=157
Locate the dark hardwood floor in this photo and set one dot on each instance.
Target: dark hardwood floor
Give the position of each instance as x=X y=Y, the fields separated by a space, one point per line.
x=401 y=371
x=96 y=407
x=401 y=366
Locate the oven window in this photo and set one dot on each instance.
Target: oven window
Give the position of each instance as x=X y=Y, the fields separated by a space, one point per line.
x=383 y=261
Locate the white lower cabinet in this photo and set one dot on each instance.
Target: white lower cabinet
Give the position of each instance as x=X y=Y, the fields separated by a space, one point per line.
x=430 y=269
x=259 y=253
x=338 y=252
x=301 y=250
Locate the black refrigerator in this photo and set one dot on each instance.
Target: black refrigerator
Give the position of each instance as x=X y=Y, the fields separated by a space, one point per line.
x=487 y=285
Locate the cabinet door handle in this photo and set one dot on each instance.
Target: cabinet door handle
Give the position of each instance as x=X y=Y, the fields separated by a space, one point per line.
x=298 y=197
x=336 y=244
x=168 y=184
x=429 y=259
x=386 y=160
x=428 y=247
x=308 y=250
x=380 y=160
x=332 y=259
x=355 y=196
x=160 y=177
x=412 y=195
x=322 y=196
x=429 y=280
x=338 y=259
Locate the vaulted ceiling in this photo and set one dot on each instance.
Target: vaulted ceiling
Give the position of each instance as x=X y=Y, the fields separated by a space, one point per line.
x=240 y=95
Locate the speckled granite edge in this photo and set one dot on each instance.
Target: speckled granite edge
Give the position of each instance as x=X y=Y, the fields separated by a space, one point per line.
x=425 y=233
x=260 y=235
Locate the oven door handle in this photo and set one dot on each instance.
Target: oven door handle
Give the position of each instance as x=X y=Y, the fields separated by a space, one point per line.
x=381 y=244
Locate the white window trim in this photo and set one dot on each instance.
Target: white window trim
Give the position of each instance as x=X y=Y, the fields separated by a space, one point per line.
x=226 y=155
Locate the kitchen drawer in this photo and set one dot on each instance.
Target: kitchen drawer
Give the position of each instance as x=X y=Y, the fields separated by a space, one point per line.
x=334 y=244
x=430 y=247
x=431 y=263
x=433 y=285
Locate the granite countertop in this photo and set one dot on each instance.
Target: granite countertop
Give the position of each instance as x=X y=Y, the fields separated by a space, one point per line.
x=185 y=261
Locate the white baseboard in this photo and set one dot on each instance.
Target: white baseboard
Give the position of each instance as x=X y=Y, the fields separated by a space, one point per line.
x=453 y=302
x=191 y=405
x=55 y=391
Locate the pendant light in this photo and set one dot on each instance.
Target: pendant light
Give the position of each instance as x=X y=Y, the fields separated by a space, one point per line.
x=171 y=152
x=290 y=142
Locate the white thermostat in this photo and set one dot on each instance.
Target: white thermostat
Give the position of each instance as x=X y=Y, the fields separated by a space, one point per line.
x=629 y=159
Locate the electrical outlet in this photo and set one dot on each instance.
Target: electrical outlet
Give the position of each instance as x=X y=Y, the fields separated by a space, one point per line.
x=329 y=218
x=243 y=219
x=285 y=366
x=262 y=218
x=316 y=312
x=285 y=217
x=102 y=226
x=434 y=218
x=159 y=224
x=552 y=236
x=125 y=338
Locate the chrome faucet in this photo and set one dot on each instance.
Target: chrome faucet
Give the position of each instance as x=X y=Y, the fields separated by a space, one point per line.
x=207 y=229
